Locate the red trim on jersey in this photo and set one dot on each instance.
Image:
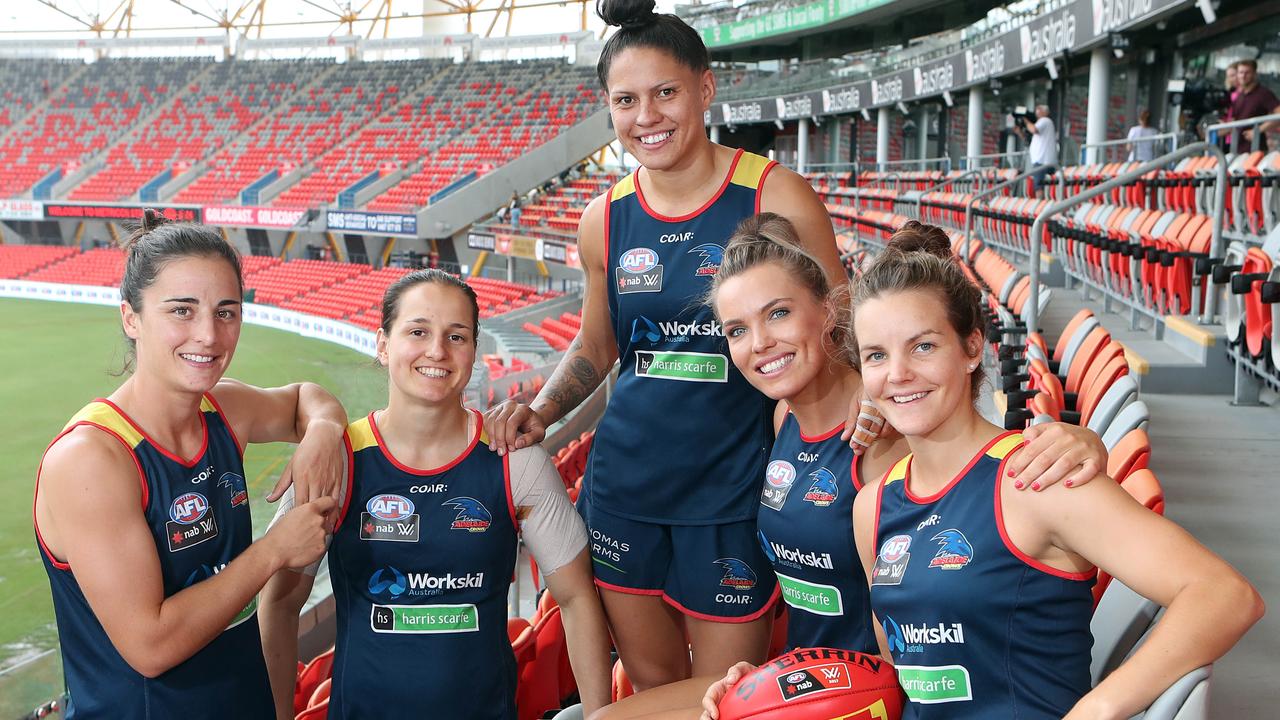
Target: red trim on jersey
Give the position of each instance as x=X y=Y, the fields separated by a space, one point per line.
x=926 y=500
x=226 y=421
x=768 y=606
x=689 y=216
x=824 y=436
x=607 y=205
x=875 y=523
x=386 y=451
x=351 y=481
x=142 y=479
x=1017 y=552
x=853 y=473
x=626 y=590
x=760 y=188
x=204 y=428
x=506 y=481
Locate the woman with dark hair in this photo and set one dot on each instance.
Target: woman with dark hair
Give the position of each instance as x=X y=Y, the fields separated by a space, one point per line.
x=425 y=547
x=675 y=469
x=141 y=506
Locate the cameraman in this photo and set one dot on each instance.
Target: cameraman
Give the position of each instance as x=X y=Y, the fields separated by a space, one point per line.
x=1253 y=100
x=1043 y=148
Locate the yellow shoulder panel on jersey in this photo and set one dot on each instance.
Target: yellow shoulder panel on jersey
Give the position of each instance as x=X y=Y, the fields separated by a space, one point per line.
x=1005 y=446
x=361 y=434
x=898 y=471
x=623 y=188
x=103 y=415
x=749 y=170
x=206 y=405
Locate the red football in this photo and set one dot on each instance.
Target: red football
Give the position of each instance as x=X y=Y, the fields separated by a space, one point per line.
x=817 y=684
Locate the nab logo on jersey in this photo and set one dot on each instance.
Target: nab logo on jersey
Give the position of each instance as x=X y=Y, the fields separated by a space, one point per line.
x=472 y=516
x=188 y=508
x=638 y=260
x=390 y=507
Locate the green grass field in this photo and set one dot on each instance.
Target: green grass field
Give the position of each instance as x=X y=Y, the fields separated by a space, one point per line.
x=55 y=357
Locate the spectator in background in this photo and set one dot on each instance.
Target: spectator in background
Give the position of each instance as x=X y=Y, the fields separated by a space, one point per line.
x=1232 y=90
x=1139 y=149
x=1253 y=100
x=1043 y=148
x=513 y=209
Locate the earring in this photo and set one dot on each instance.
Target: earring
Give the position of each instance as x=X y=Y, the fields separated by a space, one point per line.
x=973 y=367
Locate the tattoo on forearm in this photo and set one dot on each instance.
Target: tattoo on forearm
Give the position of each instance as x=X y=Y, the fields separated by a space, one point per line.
x=573 y=380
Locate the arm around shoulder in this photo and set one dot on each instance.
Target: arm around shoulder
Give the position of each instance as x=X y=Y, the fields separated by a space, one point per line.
x=788 y=194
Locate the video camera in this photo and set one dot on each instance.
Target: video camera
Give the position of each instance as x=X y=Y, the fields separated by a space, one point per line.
x=1019 y=116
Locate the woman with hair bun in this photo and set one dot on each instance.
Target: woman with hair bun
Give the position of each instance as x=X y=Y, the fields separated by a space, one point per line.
x=947 y=522
x=679 y=455
x=141 y=508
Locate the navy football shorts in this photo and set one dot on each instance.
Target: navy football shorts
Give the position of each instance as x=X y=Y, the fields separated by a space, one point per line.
x=709 y=572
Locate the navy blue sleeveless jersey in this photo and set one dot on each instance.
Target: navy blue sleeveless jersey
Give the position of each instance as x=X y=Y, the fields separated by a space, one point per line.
x=420 y=565
x=198 y=511
x=805 y=525
x=685 y=437
x=977 y=628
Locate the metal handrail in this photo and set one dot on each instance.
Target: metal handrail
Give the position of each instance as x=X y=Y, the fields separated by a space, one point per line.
x=1215 y=246
x=939 y=186
x=1235 y=126
x=968 y=207
x=993 y=156
x=921 y=162
x=1130 y=141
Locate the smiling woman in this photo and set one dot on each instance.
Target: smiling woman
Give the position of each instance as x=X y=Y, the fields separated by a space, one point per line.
x=141 y=503
x=650 y=247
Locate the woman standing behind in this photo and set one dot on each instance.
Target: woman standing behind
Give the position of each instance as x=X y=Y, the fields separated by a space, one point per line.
x=141 y=507
x=675 y=470
x=1142 y=150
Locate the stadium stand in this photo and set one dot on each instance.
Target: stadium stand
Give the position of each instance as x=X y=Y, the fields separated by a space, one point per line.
x=99 y=266
x=216 y=107
x=86 y=114
x=18 y=261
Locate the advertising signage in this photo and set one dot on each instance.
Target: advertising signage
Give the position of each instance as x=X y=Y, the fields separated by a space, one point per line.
x=780 y=22
x=21 y=210
x=235 y=216
x=91 y=211
x=376 y=223
x=1073 y=27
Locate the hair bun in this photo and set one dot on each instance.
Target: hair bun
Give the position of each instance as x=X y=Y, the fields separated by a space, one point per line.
x=916 y=236
x=626 y=13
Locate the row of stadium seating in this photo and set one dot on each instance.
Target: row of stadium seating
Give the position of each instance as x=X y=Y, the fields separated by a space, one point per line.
x=237 y=123
x=343 y=291
x=558 y=332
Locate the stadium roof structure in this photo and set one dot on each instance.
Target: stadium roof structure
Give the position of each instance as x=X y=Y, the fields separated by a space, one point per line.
x=811 y=29
x=132 y=19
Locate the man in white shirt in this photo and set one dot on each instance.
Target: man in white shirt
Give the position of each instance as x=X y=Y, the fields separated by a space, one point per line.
x=1044 y=143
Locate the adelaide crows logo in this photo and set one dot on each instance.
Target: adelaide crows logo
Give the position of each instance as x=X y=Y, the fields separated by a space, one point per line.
x=712 y=256
x=824 y=490
x=737 y=574
x=472 y=515
x=955 y=551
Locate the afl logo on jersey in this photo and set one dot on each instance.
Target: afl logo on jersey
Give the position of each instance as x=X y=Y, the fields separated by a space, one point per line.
x=638 y=260
x=390 y=507
x=188 y=508
x=891 y=563
x=778 y=478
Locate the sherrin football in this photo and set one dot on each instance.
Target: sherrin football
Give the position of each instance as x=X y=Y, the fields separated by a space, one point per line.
x=817 y=684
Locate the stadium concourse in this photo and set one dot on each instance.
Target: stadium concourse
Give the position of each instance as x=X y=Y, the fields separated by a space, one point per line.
x=1132 y=280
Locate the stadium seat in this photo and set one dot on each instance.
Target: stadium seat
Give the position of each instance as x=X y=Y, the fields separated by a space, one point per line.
x=1120 y=619
x=621 y=687
x=312 y=675
x=1132 y=453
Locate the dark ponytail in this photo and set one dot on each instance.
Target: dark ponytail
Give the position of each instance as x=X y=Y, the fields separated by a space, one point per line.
x=640 y=26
